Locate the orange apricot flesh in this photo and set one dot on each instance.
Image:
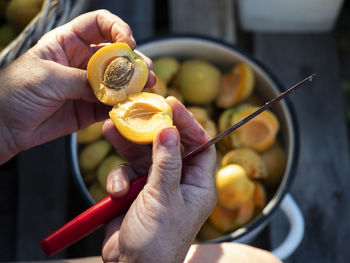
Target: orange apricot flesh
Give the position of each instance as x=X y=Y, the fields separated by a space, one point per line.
x=115 y=71
x=141 y=116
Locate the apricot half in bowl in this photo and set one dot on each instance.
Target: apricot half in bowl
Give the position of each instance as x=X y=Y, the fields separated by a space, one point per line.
x=141 y=116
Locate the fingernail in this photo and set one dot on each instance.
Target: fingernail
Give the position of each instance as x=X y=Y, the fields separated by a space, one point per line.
x=169 y=137
x=117 y=186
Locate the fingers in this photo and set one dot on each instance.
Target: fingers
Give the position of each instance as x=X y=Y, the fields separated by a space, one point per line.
x=139 y=156
x=192 y=133
x=165 y=174
x=151 y=76
x=100 y=26
x=110 y=251
x=118 y=180
x=199 y=170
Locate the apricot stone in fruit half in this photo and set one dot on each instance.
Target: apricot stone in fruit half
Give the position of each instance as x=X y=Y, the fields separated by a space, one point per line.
x=158 y=88
x=106 y=166
x=233 y=186
x=236 y=85
x=141 y=116
x=259 y=133
x=92 y=154
x=198 y=81
x=166 y=68
x=90 y=133
x=115 y=71
x=250 y=160
x=275 y=160
x=201 y=115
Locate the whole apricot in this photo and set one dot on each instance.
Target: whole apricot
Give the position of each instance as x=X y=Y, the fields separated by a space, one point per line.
x=97 y=192
x=166 y=68
x=233 y=186
x=141 y=116
x=275 y=160
x=90 y=133
x=92 y=154
x=198 y=81
x=250 y=160
x=106 y=166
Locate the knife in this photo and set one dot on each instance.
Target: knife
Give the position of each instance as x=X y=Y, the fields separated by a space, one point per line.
x=108 y=208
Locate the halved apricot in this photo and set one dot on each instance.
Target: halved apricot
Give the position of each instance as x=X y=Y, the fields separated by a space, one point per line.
x=224 y=123
x=201 y=115
x=115 y=71
x=250 y=160
x=235 y=86
x=233 y=186
x=225 y=220
x=141 y=116
x=259 y=133
x=90 y=133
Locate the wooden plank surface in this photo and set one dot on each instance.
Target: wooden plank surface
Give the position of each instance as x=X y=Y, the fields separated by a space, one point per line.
x=321 y=186
x=205 y=17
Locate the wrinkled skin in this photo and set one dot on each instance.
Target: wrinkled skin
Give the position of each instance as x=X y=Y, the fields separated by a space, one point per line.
x=45 y=93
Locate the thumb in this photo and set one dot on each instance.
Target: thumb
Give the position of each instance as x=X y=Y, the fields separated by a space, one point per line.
x=74 y=84
x=165 y=174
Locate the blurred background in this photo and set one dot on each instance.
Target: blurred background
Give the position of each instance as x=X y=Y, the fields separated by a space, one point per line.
x=291 y=38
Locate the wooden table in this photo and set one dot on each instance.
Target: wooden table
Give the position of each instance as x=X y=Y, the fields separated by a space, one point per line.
x=38 y=193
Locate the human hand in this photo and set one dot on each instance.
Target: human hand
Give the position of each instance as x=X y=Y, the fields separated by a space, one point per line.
x=45 y=93
x=162 y=222
x=229 y=253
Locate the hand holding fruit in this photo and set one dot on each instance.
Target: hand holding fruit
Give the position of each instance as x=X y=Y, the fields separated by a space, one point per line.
x=175 y=202
x=45 y=93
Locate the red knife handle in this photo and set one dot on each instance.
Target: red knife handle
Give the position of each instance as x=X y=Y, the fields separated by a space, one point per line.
x=91 y=219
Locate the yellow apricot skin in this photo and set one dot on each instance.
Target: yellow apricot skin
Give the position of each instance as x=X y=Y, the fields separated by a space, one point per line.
x=259 y=133
x=198 y=81
x=141 y=116
x=90 y=133
x=259 y=197
x=275 y=160
x=236 y=85
x=165 y=68
x=97 y=192
x=250 y=160
x=233 y=186
x=226 y=220
x=106 y=166
x=92 y=154
x=98 y=64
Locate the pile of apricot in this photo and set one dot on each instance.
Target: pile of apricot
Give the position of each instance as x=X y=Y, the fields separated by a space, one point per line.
x=250 y=161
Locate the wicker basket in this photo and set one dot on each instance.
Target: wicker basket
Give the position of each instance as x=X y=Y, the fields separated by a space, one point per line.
x=53 y=13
